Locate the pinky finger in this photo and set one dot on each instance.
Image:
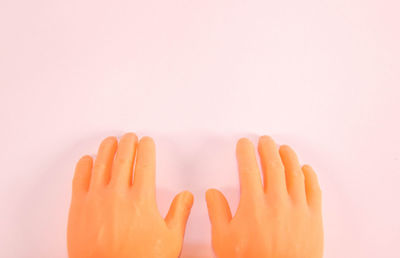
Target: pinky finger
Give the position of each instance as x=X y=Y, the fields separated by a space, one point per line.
x=313 y=191
x=83 y=170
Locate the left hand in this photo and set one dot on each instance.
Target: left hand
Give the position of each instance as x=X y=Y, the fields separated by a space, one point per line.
x=112 y=215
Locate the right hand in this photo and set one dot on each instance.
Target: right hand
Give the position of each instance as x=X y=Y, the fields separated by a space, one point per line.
x=280 y=219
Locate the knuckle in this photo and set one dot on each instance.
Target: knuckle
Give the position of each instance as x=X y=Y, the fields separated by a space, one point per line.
x=276 y=166
x=145 y=167
x=117 y=192
x=297 y=174
x=247 y=170
x=278 y=199
x=99 y=166
x=123 y=161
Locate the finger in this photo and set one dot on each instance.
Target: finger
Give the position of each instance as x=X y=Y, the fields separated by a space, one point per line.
x=218 y=209
x=81 y=180
x=121 y=172
x=249 y=173
x=313 y=189
x=179 y=211
x=145 y=168
x=103 y=163
x=273 y=170
x=294 y=174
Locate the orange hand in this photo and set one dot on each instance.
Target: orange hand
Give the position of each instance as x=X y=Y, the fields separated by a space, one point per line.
x=280 y=220
x=112 y=217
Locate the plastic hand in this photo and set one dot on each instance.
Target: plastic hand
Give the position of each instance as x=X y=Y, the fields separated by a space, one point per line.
x=112 y=217
x=281 y=219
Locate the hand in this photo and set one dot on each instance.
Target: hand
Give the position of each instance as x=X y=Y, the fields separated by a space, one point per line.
x=112 y=217
x=280 y=220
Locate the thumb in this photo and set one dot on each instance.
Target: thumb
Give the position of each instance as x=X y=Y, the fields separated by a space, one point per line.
x=218 y=208
x=179 y=211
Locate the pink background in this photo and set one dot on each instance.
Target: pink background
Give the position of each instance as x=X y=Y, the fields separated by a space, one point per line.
x=321 y=76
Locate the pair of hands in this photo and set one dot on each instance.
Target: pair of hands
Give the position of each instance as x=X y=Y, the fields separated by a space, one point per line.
x=114 y=213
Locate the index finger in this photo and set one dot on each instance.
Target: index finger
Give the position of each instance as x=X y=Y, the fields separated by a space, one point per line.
x=145 y=169
x=249 y=173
